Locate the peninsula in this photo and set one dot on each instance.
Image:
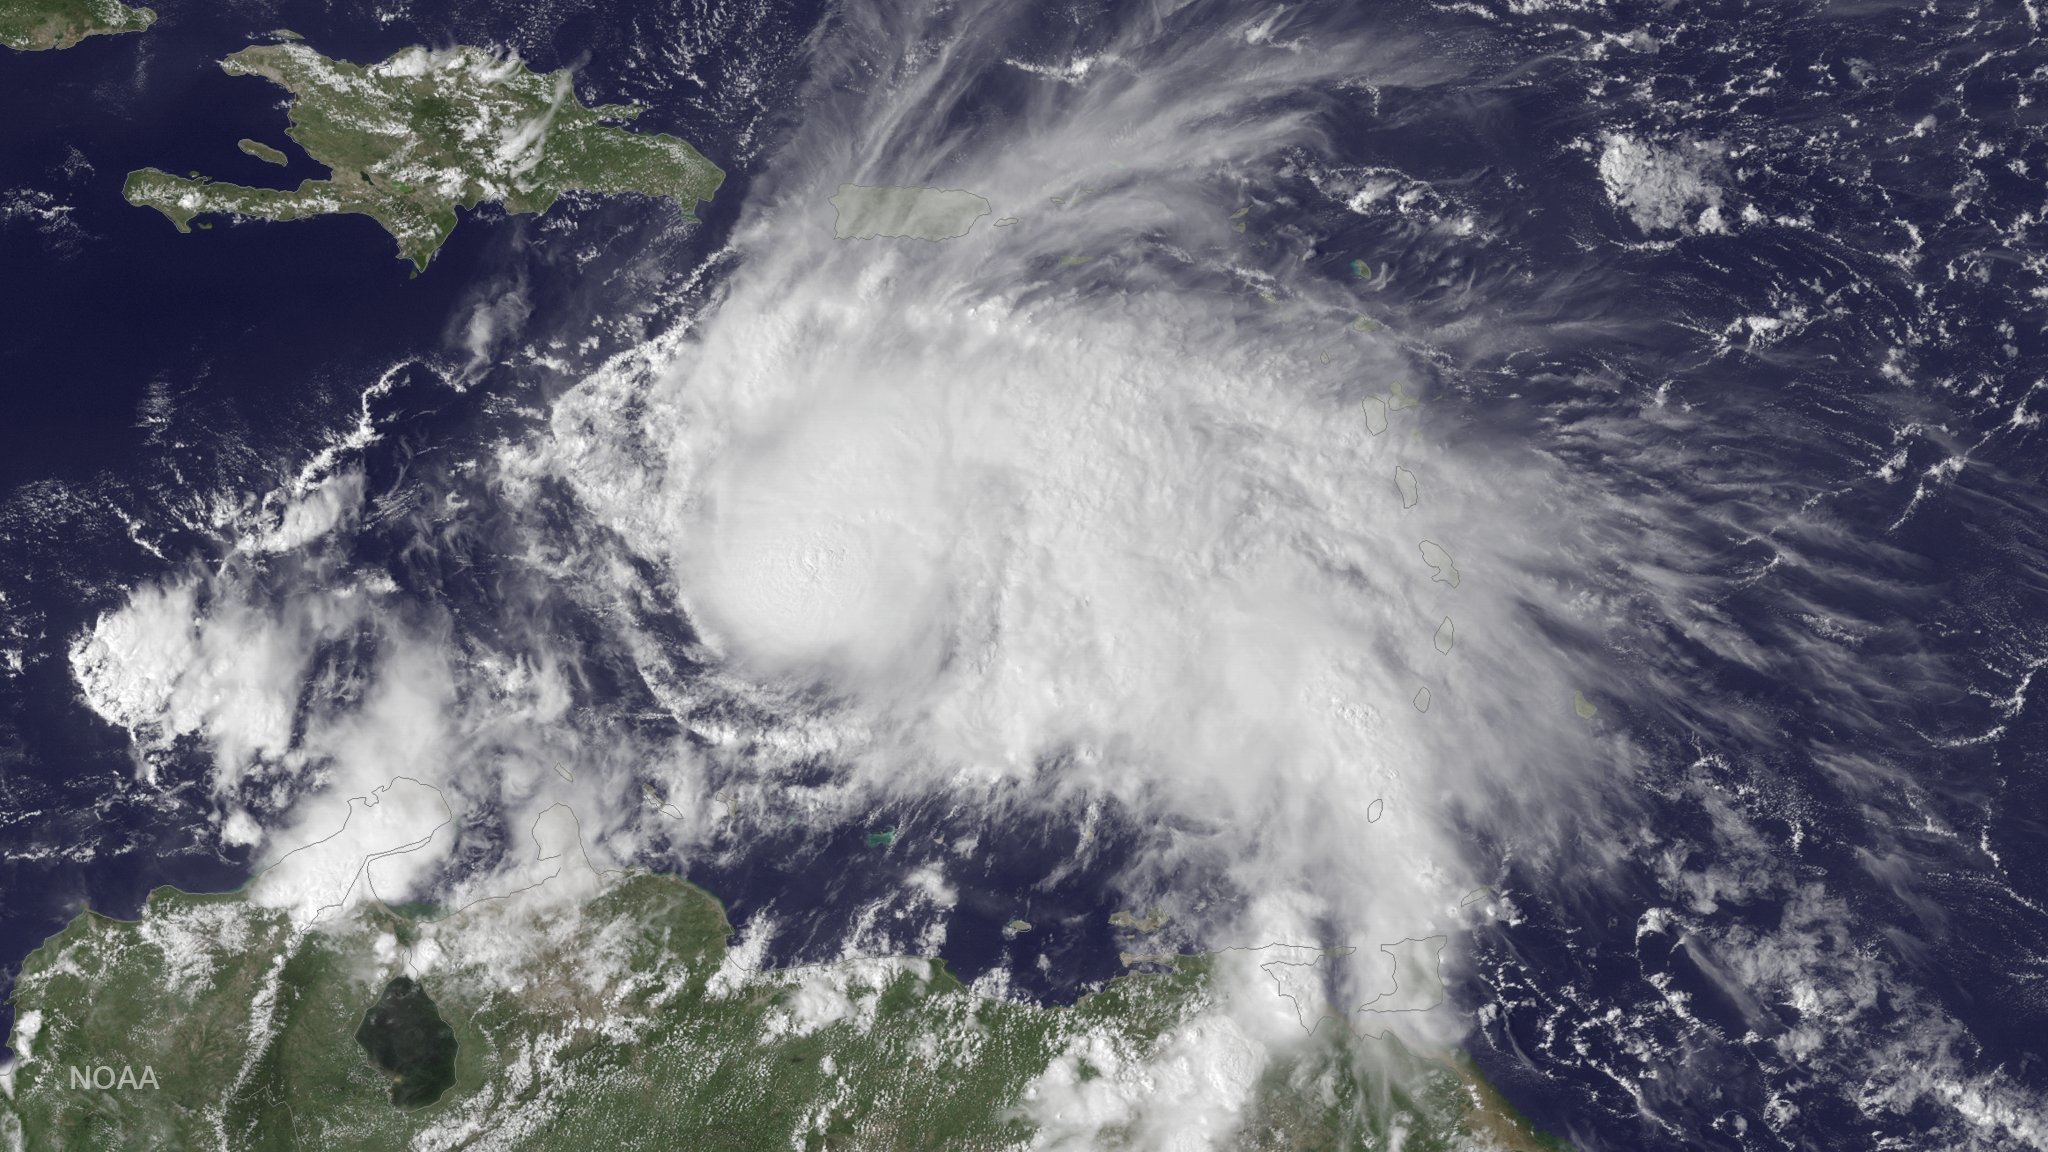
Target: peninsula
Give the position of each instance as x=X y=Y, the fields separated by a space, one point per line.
x=48 y=25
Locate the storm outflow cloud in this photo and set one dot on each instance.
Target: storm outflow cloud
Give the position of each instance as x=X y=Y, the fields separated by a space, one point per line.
x=1108 y=500
x=1133 y=498
x=1089 y=498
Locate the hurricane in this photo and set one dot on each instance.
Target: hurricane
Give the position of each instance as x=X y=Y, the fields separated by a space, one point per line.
x=1519 y=522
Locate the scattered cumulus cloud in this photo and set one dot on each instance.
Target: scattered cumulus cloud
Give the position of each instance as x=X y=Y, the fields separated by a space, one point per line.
x=1662 y=187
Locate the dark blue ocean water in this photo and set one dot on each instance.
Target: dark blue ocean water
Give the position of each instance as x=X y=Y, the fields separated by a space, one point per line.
x=1852 y=756
x=1878 y=751
x=146 y=369
x=143 y=371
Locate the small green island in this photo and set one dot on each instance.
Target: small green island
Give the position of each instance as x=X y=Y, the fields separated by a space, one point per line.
x=263 y=152
x=1146 y=924
x=411 y=139
x=47 y=25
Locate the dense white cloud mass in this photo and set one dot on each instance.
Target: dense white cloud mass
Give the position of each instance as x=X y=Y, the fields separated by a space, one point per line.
x=1114 y=512
x=1113 y=504
x=1662 y=187
x=1085 y=504
x=1088 y=503
x=1080 y=508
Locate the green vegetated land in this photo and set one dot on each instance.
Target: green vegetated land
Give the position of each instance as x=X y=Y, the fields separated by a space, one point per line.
x=42 y=25
x=263 y=152
x=413 y=138
x=620 y=1022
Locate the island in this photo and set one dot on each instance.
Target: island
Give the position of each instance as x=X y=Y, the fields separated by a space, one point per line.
x=263 y=152
x=866 y=212
x=1442 y=570
x=410 y=140
x=1375 y=415
x=1144 y=925
x=47 y=25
